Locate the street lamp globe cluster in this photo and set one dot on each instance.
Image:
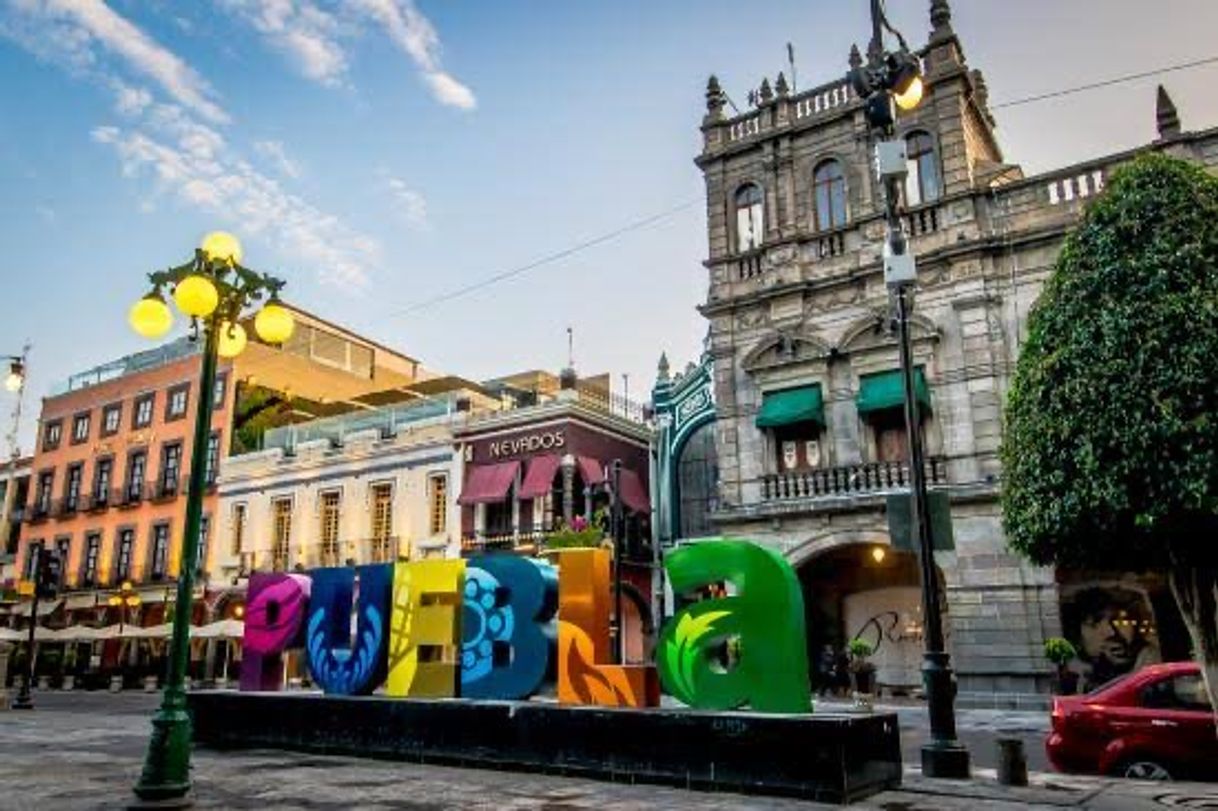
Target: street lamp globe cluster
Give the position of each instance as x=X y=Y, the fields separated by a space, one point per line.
x=214 y=290
x=215 y=283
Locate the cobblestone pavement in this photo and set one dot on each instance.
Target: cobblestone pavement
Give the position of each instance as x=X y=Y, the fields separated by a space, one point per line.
x=83 y=751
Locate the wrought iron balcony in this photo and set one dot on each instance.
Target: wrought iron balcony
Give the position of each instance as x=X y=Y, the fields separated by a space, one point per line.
x=870 y=477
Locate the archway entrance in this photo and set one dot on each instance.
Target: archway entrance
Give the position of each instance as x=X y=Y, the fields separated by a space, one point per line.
x=870 y=592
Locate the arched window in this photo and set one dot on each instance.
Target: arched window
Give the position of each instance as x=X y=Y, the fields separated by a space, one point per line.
x=750 y=217
x=698 y=483
x=829 y=188
x=923 y=184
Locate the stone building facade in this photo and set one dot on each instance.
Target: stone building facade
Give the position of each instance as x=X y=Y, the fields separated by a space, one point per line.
x=810 y=441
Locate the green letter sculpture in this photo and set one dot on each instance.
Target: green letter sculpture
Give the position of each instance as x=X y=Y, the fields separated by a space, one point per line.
x=766 y=615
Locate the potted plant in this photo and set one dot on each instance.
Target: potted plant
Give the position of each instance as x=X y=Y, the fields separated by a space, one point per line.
x=861 y=669
x=1060 y=652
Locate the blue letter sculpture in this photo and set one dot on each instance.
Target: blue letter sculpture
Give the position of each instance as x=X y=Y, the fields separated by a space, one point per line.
x=339 y=664
x=507 y=634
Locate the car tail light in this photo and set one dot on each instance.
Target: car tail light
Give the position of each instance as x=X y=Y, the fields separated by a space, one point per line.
x=1059 y=715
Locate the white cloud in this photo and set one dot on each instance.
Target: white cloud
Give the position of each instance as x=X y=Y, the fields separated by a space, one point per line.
x=177 y=144
x=302 y=30
x=410 y=203
x=201 y=171
x=274 y=152
x=317 y=40
x=72 y=32
x=414 y=34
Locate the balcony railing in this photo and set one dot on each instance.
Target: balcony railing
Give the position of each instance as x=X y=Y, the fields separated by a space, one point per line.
x=871 y=477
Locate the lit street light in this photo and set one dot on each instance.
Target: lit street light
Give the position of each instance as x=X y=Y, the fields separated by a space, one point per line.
x=886 y=82
x=214 y=290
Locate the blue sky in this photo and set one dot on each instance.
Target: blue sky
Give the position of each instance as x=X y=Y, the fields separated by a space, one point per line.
x=379 y=153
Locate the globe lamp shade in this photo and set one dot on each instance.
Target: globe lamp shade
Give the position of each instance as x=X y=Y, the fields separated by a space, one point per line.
x=232 y=340
x=150 y=317
x=912 y=96
x=16 y=376
x=196 y=295
x=222 y=246
x=274 y=323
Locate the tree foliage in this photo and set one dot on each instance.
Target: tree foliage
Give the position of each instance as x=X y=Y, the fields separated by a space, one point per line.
x=1110 y=454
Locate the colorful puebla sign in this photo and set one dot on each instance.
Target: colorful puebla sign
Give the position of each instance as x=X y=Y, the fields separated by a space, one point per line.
x=492 y=626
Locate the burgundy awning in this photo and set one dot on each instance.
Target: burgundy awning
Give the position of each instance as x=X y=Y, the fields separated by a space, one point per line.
x=634 y=495
x=591 y=470
x=489 y=483
x=540 y=477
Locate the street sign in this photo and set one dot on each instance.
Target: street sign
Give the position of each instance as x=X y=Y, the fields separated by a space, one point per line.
x=899 y=529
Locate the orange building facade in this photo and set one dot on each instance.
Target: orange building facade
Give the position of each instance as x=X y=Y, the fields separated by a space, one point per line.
x=109 y=475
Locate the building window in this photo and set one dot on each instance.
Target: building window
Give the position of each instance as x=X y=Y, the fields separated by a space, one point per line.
x=219 y=391
x=142 y=413
x=112 y=416
x=175 y=405
x=88 y=568
x=891 y=438
x=63 y=549
x=281 y=509
x=122 y=557
x=698 y=483
x=204 y=532
x=238 y=540
x=829 y=190
x=923 y=184
x=33 y=551
x=71 y=491
x=42 y=498
x=160 y=551
x=329 y=527
x=51 y=434
x=80 y=429
x=750 y=217
x=437 y=500
x=137 y=470
x=213 y=458
x=171 y=468
x=102 y=470
x=382 y=522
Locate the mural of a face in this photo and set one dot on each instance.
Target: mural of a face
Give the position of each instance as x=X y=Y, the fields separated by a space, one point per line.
x=1114 y=629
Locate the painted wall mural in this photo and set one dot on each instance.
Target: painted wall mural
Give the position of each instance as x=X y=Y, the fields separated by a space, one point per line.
x=494 y=626
x=1113 y=628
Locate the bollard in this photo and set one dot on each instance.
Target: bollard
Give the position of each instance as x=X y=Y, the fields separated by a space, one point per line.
x=1012 y=762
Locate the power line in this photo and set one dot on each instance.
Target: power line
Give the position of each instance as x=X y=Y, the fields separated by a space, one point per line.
x=1106 y=83
x=545 y=260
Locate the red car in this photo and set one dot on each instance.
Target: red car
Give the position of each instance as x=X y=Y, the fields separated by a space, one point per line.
x=1156 y=724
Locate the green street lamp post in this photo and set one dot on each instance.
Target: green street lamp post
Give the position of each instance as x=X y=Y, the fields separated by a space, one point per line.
x=214 y=290
x=889 y=81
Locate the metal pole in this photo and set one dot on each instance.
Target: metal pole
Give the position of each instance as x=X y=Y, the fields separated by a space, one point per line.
x=619 y=637
x=24 y=700
x=166 y=775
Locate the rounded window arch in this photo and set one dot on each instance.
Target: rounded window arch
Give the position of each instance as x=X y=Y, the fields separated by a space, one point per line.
x=750 y=217
x=829 y=194
x=924 y=183
x=697 y=483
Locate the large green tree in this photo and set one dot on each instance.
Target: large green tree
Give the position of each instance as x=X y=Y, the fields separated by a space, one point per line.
x=1110 y=456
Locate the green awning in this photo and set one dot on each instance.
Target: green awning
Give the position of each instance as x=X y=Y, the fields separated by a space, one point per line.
x=791 y=406
x=883 y=391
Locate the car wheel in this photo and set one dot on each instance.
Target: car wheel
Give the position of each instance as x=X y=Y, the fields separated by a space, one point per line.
x=1139 y=769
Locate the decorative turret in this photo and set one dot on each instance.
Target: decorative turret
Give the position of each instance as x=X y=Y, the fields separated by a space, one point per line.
x=715 y=99
x=981 y=93
x=1167 y=117
x=662 y=370
x=940 y=21
x=781 y=85
x=766 y=93
x=856 y=58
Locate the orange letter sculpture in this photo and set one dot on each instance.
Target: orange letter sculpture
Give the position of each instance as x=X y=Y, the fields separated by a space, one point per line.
x=583 y=639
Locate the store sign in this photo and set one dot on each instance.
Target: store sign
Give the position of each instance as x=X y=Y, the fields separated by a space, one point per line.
x=528 y=443
x=493 y=626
